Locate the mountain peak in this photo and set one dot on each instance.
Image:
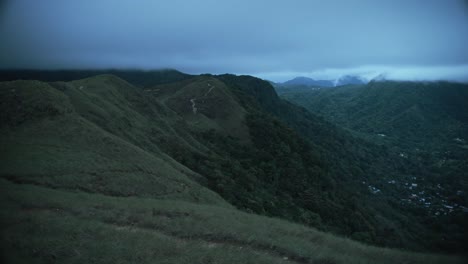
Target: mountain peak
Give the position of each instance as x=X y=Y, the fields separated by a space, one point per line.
x=301 y=80
x=379 y=78
x=343 y=80
x=349 y=79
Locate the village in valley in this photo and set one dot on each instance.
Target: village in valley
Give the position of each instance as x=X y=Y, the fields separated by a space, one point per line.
x=435 y=199
x=415 y=193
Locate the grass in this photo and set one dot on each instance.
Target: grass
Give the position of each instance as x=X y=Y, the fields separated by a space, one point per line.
x=217 y=107
x=70 y=150
x=42 y=224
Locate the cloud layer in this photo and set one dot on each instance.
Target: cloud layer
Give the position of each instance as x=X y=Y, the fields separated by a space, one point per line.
x=417 y=39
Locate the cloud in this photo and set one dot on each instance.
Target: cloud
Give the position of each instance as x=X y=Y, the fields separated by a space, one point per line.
x=368 y=72
x=273 y=38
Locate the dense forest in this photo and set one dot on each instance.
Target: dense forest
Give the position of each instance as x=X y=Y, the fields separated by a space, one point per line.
x=425 y=123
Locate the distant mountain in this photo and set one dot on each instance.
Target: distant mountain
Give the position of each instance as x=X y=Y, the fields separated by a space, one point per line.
x=349 y=79
x=379 y=78
x=309 y=82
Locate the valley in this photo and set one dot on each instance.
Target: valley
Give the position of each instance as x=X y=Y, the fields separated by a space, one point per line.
x=422 y=123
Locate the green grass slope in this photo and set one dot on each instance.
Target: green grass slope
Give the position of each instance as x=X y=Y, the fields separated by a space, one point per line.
x=46 y=141
x=205 y=103
x=42 y=225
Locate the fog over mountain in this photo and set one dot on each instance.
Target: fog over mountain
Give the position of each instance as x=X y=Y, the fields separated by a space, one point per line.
x=405 y=40
x=342 y=80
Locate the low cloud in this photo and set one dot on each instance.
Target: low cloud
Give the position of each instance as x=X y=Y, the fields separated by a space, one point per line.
x=271 y=39
x=410 y=73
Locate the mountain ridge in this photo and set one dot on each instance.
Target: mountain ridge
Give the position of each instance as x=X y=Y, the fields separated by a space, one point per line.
x=302 y=81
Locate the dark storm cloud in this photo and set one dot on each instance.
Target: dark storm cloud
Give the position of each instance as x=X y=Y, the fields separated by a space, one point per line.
x=273 y=39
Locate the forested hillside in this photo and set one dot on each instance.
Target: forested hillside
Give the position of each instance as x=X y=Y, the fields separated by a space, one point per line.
x=224 y=141
x=410 y=113
x=425 y=123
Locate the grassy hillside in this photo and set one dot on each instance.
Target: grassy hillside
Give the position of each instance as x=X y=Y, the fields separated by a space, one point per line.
x=81 y=159
x=43 y=225
x=46 y=141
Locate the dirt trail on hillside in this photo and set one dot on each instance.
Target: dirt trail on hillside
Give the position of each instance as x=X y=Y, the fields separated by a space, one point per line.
x=192 y=101
x=211 y=241
x=194 y=108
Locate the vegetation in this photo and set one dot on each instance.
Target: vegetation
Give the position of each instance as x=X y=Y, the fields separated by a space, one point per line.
x=426 y=124
x=102 y=159
x=44 y=225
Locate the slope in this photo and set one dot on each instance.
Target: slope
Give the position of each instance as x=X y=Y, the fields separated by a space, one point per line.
x=46 y=141
x=43 y=225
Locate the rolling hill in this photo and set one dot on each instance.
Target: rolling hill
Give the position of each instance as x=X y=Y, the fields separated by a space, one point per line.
x=103 y=169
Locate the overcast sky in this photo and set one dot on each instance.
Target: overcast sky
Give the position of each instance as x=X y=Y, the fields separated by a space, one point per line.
x=272 y=39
